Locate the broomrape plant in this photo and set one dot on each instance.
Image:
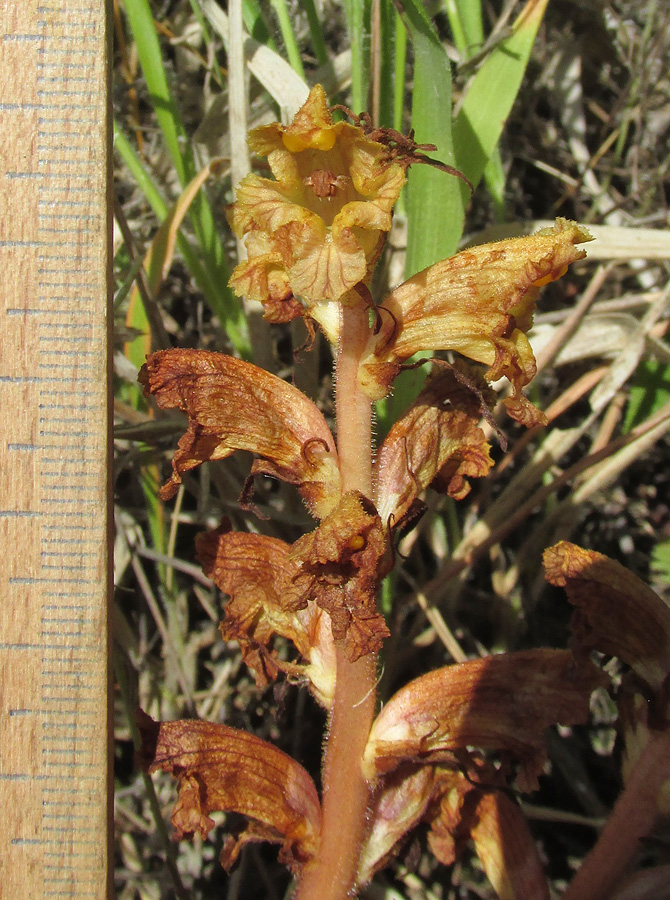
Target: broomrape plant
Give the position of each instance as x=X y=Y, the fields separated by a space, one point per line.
x=447 y=748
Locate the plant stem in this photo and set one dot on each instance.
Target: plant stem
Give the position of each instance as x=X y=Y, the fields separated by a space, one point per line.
x=632 y=820
x=331 y=875
x=352 y=408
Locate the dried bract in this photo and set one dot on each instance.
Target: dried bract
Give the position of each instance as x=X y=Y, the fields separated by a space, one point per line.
x=234 y=405
x=479 y=303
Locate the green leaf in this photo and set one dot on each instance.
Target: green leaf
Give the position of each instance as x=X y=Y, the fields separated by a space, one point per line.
x=488 y=102
x=649 y=391
x=436 y=201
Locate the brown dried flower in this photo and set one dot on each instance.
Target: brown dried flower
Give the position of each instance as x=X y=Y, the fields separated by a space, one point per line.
x=616 y=613
x=480 y=303
x=222 y=768
x=234 y=405
x=258 y=573
x=436 y=442
x=501 y=703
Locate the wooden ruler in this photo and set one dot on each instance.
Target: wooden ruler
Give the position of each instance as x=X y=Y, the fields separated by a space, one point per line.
x=54 y=772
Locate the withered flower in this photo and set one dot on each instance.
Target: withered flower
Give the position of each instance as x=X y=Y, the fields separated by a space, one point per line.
x=616 y=613
x=341 y=565
x=498 y=829
x=316 y=231
x=400 y=804
x=479 y=303
x=258 y=573
x=234 y=405
x=502 y=703
x=222 y=768
x=428 y=749
x=436 y=442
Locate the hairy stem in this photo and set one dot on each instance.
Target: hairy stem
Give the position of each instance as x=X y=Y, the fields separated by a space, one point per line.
x=353 y=408
x=331 y=875
x=632 y=820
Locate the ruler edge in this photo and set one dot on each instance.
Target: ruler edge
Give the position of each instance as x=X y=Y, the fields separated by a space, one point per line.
x=102 y=15
x=107 y=123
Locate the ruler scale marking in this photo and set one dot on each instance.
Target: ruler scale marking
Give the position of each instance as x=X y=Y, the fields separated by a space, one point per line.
x=54 y=753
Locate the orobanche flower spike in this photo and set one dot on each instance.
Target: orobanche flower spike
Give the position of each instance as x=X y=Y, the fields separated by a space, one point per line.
x=313 y=234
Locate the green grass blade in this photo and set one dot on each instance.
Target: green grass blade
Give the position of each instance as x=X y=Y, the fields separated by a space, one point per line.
x=316 y=32
x=660 y=560
x=470 y=17
x=435 y=201
x=400 y=77
x=387 y=68
x=211 y=289
x=201 y=216
x=141 y=177
x=358 y=22
x=456 y=25
x=288 y=35
x=492 y=93
x=256 y=24
x=649 y=391
x=142 y=26
x=202 y=22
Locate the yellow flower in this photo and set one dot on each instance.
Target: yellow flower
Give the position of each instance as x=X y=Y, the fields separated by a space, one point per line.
x=317 y=230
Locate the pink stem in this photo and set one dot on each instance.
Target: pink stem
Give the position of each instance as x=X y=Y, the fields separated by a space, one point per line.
x=331 y=875
x=632 y=819
x=352 y=407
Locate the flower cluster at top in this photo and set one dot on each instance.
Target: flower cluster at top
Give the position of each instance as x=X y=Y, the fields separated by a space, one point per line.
x=316 y=231
x=479 y=303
